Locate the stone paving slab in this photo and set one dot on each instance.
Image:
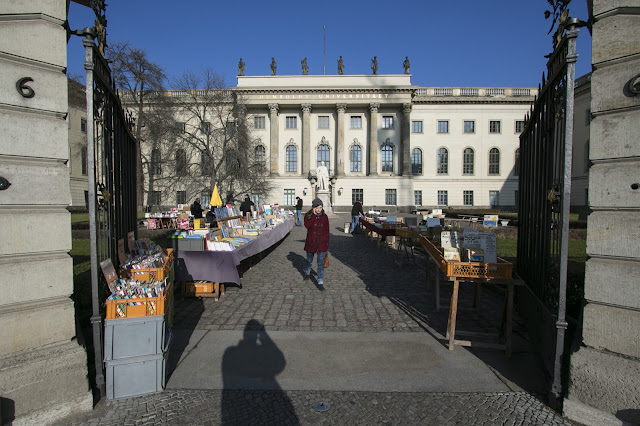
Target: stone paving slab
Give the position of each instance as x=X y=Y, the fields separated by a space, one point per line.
x=212 y=407
x=337 y=361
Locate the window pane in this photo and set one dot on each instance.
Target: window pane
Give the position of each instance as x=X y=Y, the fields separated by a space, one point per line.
x=516 y=166
x=442 y=161
x=289 y=197
x=443 y=127
x=494 y=127
x=356 y=195
x=390 y=197
x=494 y=198
x=519 y=126
x=467 y=198
x=355 y=158
x=468 y=160
x=469 y=126
x=417 y=198
x=291 y=158
x=416 y=127
x=387 y=158
x=83 y=154
x=323 y=155
x=206 y=164
x=494 y=161
x=181 y=197
x=416 y=161
x=156 y=162
x=181 y=162
x=356 y=122
x=387 y=122
x=323 y=122
x=292 y=122
x=259 y=122
x=443 y=198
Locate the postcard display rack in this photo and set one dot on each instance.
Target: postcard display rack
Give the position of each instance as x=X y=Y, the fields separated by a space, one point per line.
x=139 y=314
x=470 y=257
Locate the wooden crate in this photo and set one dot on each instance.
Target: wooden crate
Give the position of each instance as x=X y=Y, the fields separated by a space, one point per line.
x=500 y=270
x=143 y=307
x=151 y=274
x=202 y=289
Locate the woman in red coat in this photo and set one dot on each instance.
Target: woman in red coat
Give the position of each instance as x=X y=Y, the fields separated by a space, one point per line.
x=317 y=224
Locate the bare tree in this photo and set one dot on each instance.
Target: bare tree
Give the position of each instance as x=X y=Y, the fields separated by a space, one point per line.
x=141 y=80
x=216 y=137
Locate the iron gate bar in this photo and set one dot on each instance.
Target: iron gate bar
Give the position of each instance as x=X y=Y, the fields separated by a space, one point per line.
x=545 y=192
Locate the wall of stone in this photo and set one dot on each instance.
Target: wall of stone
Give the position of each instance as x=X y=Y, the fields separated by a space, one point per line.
x=605 y=371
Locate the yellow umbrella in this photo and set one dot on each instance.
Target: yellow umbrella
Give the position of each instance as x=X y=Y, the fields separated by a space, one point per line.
x=215 y=197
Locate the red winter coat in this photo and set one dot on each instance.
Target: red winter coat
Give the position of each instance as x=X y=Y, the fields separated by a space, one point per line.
x=317 y=233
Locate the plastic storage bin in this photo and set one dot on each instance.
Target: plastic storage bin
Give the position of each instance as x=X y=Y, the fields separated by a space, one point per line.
x=136 y=337
x=136 y=376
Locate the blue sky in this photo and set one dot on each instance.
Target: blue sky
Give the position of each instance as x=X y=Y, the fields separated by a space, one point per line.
x=468 y=43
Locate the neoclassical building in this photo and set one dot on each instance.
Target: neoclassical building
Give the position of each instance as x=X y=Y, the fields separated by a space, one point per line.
x=387 y=142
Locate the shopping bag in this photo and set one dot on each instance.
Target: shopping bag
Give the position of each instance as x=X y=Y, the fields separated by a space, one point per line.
x=326 y=259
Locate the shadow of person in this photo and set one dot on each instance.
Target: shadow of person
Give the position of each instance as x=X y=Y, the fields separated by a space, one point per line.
x=298 y=261
x=251 y=394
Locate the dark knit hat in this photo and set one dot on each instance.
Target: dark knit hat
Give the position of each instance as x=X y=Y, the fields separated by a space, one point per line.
x=317 y=202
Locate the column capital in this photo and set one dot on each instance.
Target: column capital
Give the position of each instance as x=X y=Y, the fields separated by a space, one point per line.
x=374 y=106
x=406 y=108
x=306 y=108
x=341 y=107
x=273 y=108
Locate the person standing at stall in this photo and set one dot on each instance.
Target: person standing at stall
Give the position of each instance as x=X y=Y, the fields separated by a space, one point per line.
x=356 y=212
x=245 y=206
x=317 y=241
x=298 y=211
x=196 y=209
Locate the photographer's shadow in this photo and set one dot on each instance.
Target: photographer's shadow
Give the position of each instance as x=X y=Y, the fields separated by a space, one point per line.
x=249 y=370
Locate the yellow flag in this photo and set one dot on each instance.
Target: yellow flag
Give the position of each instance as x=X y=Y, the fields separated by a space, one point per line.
x=215 y=197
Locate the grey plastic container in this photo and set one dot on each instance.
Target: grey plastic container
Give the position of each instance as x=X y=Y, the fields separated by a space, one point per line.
x=187 y=244
x=136 y=376
x=135 y=337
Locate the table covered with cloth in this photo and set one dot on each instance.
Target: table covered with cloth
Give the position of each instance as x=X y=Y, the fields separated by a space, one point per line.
x=221 y=266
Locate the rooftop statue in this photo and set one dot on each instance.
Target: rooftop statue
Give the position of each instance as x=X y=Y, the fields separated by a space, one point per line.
x=406 y=65
x=273 y=66
x=240 y=67
x=340 y=66
x=305 y=68
x=374 y=65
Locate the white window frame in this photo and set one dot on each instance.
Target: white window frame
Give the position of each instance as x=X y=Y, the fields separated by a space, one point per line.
x=323 y=122
x=387 y=122
x=442 y=127
x=291 y=122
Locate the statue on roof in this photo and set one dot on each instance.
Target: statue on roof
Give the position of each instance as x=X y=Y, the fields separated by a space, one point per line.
x=406 y=65
x=240 y=67
x=305 y=68
x=374 y=65
x=340 y=66
x=273 y=66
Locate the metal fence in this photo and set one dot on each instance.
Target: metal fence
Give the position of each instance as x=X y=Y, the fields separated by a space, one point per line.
x=544 y=196
x=111 y=155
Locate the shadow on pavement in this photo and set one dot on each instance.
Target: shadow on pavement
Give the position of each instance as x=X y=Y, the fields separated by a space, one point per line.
x=253 y=364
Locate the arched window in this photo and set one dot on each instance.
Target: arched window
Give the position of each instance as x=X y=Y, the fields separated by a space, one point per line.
x=232 y=160
x=387 y=158
x=516 y=166
x=156 y=162
x=291 y=154
x=323 y=155
x=442 y=161
x=355 y=158
x=416 y=161
x=494 y=161
x=181 y=162
x=261 y=157
x=206 y=164
x=468 y=160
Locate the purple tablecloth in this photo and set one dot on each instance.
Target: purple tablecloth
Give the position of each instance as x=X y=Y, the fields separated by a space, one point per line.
x=221 y=266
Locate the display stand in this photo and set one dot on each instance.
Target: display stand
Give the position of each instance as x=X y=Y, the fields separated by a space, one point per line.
x=477 y=273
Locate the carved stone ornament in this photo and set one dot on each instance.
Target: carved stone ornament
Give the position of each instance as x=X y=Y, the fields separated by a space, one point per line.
x=373 y=107
x=406 y=108
x=306 y=108
x=273 y=108
x=341 y=108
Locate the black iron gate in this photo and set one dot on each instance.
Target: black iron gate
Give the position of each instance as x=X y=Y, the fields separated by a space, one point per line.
x=544 y=198
x=111 y=161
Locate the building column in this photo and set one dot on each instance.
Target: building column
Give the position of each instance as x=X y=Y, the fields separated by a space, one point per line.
x=405 y=145
x=373 y=139
x=274 y=148
x=306 y=138
x=340 y=144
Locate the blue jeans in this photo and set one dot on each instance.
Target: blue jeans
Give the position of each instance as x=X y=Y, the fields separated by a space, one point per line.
x=307 y=271
x=354 y=223
x=299 y=217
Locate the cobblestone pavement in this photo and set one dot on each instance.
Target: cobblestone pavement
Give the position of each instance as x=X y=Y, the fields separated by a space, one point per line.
x=196 y=407
x=366 y=289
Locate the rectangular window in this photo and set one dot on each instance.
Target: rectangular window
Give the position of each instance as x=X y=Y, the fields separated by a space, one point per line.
x=416 y=127
x=443 y=126
x=357 y=195
x=205 y=199
x=355 y=159
x=469 y=126
x=417 y=198
x=289 y=197
x=467 y=198
x=387 y=122
x=494 y=198
x=83 y=125
x=443 y=198
x=291 y=159
x=181 y=197
x=155 y=198
x=356 y=122
x=323 y=122
x=519 y=126
x=390 y=197
x=205 y=127
x=494 y=126
x=259 y=122
x=292 y=122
